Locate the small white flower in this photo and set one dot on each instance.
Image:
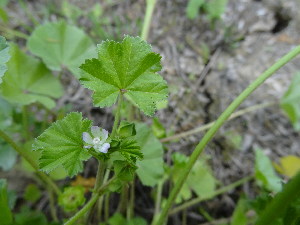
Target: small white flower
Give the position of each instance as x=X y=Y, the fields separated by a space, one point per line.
x=98 y=141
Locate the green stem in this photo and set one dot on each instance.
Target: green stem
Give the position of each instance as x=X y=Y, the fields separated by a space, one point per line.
x=220 y=121
x=100 y=201
x=148 y=17
x=130 y=211
x=184 y=218
x=281 y=201
x=216 y=193
x=106 y=206
x=26 y=130
x=158 y=197
x=118 y=116
x=52 y=206
x=209 y=125
x=31 y=161
x=98 y=183
x=100 y=174
x=90 y=203
x=124 y=200
x=13 y=33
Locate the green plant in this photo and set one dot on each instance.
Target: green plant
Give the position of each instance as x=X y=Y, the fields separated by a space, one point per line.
x=213 y=9
x=125 y=75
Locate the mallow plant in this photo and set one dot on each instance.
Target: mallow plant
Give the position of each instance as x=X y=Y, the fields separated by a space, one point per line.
x=119 y=74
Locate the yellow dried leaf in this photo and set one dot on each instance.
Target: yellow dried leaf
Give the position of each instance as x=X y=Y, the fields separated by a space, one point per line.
x=87 y=183
x=288 y=166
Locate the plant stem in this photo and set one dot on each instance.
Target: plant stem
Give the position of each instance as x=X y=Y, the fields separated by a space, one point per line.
x=184 y=217
x=98 y=183
x=130 y=210
x=13 y=33
x=90 y=203
x=158 y=197
x=100 y=201
x=220 y=121
x=31 y=161
x=118 y=116
x=281 y=201
x=26 y=130
x=216 y=193
x=100 y=174
x=106 y=206
x=124 y=200
x=52 y=206
x=209 y=125
x=148 y=17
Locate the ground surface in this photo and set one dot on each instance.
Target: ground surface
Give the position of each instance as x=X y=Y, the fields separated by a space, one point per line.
x=260 y=33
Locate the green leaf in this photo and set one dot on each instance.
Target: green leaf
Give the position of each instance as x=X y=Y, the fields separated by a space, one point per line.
x=8 y=156
x=70 y=10
x=292 y=214
x=123 y=170
x=128 y=148
x=264 y=172
x=3 y=3
x=6 y=111
x=57 y=174
x=128 y=67
x=118 y=219
x=5 y=215
x=62 y=144
x=239 y=215
x=158 y=129
x=4 y=56
x=200 y=179
x=290 y=102
x=215 y=8
x=72 y=198
x=150 y=169
x=126 y=129
x=61 y=45
x=32 y=193
x=4 y=15
x=28 y=217
x=27 y=80
x=193 y=7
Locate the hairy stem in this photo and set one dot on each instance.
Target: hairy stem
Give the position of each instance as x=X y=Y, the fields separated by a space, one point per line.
x=9 y=33
x=148 y=17
x=26 y=130
x=31 y=161
x=130 y=209
x=117 y=116
x=220 y=121
x=209 y=125
x=106 y=206
x=158 y=197
x=281 y=201
x=90 y=203
x=52 y=206
x=216 y=193
x=98 y=183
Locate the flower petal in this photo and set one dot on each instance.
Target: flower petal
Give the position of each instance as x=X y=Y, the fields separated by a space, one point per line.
x=96 y=131
x=104 y=134
x=105 y=147
x=86 y=137
x=87 y=146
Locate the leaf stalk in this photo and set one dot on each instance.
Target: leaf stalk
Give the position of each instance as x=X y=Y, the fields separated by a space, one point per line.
x=31 y=161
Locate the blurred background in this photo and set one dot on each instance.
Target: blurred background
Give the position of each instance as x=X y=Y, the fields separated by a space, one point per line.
x=212 y=50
